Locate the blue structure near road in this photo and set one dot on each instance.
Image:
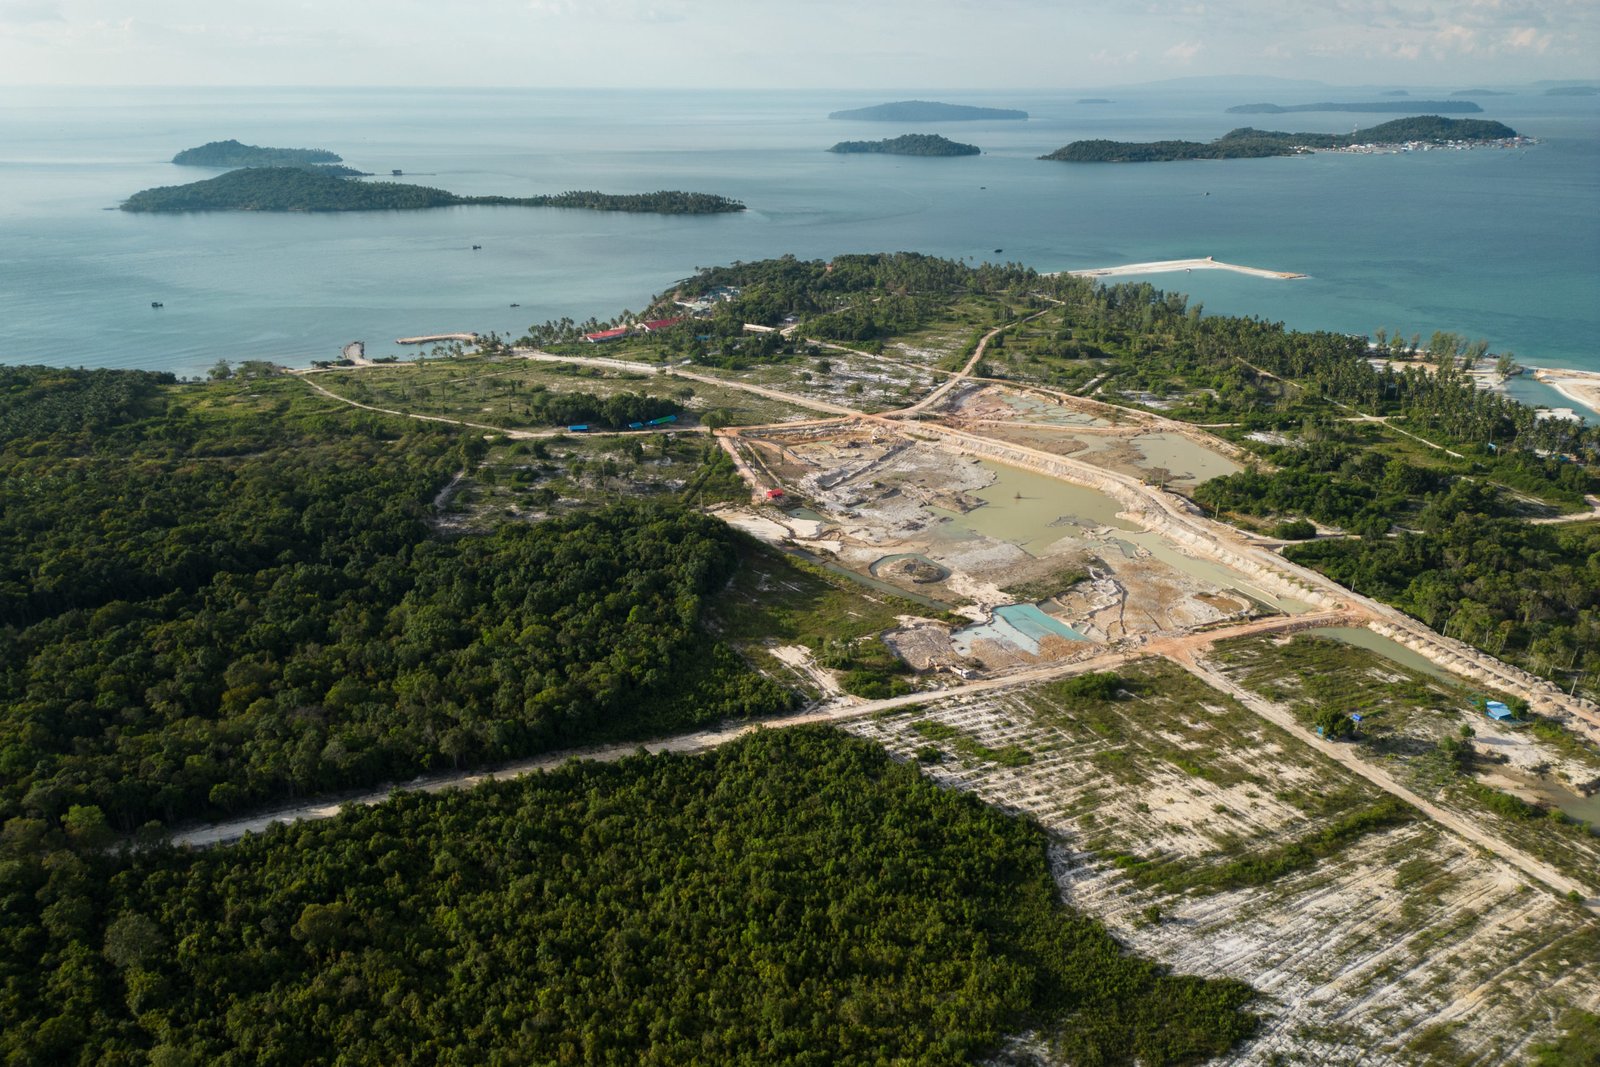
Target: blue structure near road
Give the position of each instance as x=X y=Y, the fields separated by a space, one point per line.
x=1499 y=712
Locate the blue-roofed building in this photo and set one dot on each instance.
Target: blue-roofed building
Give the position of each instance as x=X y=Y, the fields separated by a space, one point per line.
x=1499 y=712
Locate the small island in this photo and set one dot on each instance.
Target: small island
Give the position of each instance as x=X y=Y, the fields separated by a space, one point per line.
x=911 y=144
x=1481 y=92
x=1443 y=107
x=1247 y=143
x=231 y=153
x=928 y=111
x=298 y=189
x=1094 y=100
x=1573 y=90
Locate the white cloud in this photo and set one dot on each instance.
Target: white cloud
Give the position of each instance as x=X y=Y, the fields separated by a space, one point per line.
x=1183 y=51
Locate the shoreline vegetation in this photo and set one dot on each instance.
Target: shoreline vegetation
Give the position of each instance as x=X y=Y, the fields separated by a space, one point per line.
x=1425 y=131
x=231 y=153
x=911 y=144
x=1453 y=107
x=928 y=111
x=311 y=190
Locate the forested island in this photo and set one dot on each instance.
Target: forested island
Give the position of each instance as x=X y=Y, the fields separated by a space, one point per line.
x=297 y=189
x=1248 y=143
x=911 y=144
x=1451 y=107
x=928 y=111
x=231 y=153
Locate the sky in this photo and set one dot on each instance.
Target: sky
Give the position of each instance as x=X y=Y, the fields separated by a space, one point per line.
x=846 y=44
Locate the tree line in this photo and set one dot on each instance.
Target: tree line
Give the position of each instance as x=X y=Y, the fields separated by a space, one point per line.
x=240 y=600
x=796 y=897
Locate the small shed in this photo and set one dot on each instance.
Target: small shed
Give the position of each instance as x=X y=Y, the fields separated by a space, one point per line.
x=1499 y=712
x=774 y=494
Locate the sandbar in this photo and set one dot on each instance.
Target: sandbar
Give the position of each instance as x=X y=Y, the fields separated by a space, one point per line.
x=1582 y=387
x=1167 y=266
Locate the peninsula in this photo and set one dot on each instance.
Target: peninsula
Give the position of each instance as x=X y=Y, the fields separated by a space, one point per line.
x=911 y=144
x=296 y=189
x=1452 y=107
x=231 y=153
x=928 y=111
x=1248 y=143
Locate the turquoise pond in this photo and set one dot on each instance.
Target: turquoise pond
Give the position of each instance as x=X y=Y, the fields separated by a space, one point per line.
x=1022 y=625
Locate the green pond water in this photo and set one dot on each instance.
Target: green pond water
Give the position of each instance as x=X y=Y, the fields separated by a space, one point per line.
x=1361 y=637
x=1020 y=506
x=1581 y=808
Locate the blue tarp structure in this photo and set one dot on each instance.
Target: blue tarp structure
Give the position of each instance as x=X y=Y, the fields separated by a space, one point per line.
x=1498 y=711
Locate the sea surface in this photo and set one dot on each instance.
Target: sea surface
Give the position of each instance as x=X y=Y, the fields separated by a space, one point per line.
x=1499 y=244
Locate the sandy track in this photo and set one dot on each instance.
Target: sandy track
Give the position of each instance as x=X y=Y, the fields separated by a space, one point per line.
x=1346 y=756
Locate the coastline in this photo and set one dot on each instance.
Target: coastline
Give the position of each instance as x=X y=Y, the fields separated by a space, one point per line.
x=1168 y=266
x=1582 y=387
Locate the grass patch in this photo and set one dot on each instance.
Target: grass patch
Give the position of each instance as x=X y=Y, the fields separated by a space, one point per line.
x=1176 y=876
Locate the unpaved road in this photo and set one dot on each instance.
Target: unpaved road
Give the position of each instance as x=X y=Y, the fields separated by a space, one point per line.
x=1346 y=756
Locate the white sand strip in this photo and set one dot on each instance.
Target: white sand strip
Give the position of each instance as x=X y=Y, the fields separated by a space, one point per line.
x=1168 y=266
x=1582 y=387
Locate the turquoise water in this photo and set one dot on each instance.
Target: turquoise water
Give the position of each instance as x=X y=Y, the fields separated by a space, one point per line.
x=1503 y=245
x=1022 y=625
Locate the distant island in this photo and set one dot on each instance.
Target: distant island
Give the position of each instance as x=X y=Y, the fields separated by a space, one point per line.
x=1573 y=90
x=1247 y=143
x=1394 y=92
x=1481 y=92
x=927 y=111
x=1094 y=100
x=1450 y=107
x=911 y=144
x=231 y=153
x=298 y=189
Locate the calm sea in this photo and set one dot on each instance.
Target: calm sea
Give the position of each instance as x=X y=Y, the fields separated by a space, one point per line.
x=1503 y=245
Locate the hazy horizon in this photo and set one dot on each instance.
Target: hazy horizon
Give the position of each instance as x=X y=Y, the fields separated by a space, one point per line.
x=713 y=44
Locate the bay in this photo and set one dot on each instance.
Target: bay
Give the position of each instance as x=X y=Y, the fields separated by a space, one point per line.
x=1503 y=245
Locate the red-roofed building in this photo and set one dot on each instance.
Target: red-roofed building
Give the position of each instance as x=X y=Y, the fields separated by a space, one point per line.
x=606 y=335
x=659 y=324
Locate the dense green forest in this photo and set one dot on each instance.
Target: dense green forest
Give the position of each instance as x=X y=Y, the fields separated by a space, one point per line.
x=850 y=297
x=231 y=153
x=1445 y=107
x=317 y=189
x=616 y=411
x=794 y=898
x=217 y=595
x=927 y=111
x=1248 y=143
x=911 y=144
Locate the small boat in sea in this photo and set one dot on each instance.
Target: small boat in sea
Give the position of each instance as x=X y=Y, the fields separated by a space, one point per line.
x=476 y=247
x=516 y=305
x=998 y=251
x=157 y=304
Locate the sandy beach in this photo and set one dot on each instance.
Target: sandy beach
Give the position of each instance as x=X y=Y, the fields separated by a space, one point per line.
x=1167 y=266
x=1582 y=387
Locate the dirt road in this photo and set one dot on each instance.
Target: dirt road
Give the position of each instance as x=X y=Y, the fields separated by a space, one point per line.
x=1346 y=756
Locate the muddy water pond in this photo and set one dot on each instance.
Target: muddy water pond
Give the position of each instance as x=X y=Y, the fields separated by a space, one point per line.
x=1034 y=409
x=1027 y=509
x=1189 y=461
x=1361 y=637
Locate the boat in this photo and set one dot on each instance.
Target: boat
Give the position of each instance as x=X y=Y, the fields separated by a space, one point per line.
x=998 y=251
x=476 y=247
x=516 y=305
x=157 y=304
